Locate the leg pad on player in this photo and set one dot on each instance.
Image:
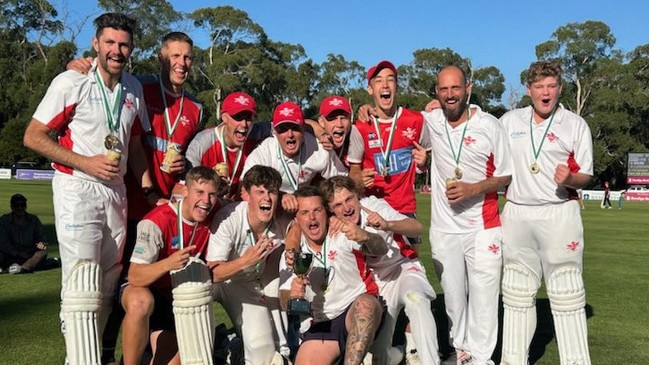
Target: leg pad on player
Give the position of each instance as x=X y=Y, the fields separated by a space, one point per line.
x=567 y=295
x=80 y=307
x=192 y=306
x=519 y=287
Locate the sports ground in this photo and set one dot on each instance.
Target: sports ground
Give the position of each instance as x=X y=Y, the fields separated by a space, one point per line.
x=616 y=275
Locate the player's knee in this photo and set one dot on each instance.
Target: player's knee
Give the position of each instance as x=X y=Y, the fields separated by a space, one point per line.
x=138 y=303
x=519 y=286
x=416 y=302
x=565 y=288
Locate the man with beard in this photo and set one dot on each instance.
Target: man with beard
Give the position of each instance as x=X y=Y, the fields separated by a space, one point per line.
x=298 y=156
x=400 y=276
x=345 y=310
x=98 y=118
x=244 y=256
x=226 y=147
x=543 y=235
x=470 y=162
x=175 y=117
x=166 y=237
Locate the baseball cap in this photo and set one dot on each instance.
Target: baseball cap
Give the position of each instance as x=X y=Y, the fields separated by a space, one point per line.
x=237 y=102
x=371 y=73
x=18 y=198
x=333 y=103
x=287 y=112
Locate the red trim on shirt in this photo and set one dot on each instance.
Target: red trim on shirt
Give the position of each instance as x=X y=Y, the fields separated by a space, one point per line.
x=490 y=215
x=61 y=124
x=405 y=249
x=365 y=273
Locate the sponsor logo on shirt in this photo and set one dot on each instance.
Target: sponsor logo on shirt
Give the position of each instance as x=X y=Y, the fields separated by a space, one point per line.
x=73 y=227
x=517 y=134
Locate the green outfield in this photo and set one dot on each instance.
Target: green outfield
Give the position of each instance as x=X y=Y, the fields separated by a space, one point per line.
x=616 y=277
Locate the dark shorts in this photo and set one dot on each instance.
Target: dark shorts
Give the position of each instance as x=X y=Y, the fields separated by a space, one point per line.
x=333 y=330
x=162 y=317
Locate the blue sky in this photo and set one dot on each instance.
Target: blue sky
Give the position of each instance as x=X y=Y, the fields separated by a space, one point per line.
x=501 y=33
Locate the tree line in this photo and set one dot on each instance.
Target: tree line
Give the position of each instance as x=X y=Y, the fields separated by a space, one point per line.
x=606 y=86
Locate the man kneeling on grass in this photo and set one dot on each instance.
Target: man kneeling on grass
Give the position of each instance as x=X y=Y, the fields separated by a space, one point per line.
x=345 y=309
x=166 y=239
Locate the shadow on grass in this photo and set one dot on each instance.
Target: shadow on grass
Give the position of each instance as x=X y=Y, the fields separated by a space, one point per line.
x=543 y=335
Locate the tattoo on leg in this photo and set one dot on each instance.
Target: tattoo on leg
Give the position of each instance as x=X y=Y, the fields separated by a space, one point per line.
x=365 y=321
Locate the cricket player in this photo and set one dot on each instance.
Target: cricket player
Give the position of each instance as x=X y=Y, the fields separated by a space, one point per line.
x=543 y=234
x=98 y=118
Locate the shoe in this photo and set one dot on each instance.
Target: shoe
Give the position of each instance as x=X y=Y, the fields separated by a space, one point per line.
x=412 y=358
x=278 y=359
x=15 y=269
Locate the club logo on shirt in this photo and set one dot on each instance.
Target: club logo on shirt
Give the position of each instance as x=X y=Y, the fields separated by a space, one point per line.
x=551 y=137
x=409 y=133
x=331 y=255
x=128 y=103
x=184 y=121
x=371 y=136
x=573 y=246
x=494 y=248
x=468 y=141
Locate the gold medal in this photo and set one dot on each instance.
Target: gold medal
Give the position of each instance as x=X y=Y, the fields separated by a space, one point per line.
x=534 y=168
x=110 y=141
x=221 y=169
x=458 y=173
x=450 y=181
x=384 y=171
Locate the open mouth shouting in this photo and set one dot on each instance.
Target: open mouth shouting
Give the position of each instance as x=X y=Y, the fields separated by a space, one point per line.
x=201 y=211
x=386 y=99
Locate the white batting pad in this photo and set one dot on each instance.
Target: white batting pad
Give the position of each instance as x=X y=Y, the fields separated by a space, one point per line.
x=567 y=296
x=192 y=306
x=80 y=307
x=519 y=287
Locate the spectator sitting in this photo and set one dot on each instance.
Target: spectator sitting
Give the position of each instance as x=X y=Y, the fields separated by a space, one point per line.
x=22 y=247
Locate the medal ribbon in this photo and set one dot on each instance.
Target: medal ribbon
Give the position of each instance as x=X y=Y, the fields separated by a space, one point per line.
x=323 y=260
x=181 y=236
x=224 y=152
x=112 y=114
x=251 y=239
x=456 y=158
x=294 y=181
x=534 y=150
x=170 y=127
x=386 y=152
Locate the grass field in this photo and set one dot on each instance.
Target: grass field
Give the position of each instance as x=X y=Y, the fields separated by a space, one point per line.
x=616 y=277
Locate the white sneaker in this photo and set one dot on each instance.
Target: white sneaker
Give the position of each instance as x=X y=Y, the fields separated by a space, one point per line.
x=412 y=358
x=15 y=269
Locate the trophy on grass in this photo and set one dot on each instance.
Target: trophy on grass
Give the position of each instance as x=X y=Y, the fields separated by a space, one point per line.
x=301 y=267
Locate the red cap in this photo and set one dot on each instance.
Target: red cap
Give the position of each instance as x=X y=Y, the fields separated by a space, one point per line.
x=371 y=73
x=287 y=112
x=333 y=103
x=237 y=102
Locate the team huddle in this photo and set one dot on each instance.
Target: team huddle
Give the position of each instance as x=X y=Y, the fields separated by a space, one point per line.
x=305 y=231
